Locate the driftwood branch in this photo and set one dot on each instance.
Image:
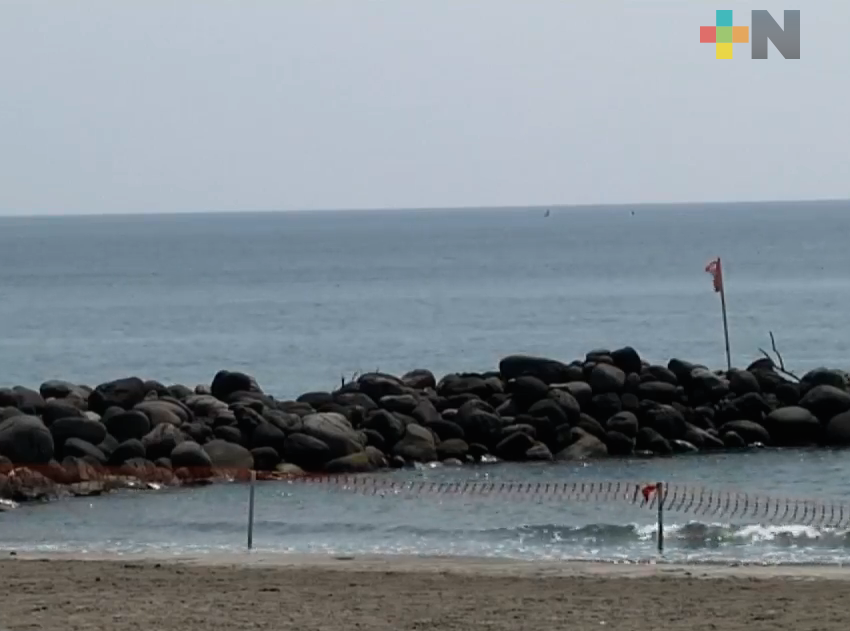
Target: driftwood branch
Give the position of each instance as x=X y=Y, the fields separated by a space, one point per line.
x=781 y=367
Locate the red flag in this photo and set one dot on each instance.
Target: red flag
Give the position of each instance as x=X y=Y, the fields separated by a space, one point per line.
x=716 y=272
x=648 y=490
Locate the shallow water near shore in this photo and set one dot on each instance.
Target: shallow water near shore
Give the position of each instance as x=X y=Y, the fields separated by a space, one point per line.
x=299 y=299
x=304 y=519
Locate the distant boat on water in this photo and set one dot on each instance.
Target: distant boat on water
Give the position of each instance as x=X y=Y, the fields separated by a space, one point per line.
x=547 y=213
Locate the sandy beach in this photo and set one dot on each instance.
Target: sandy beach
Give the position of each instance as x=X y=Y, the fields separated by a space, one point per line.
x=383 y=593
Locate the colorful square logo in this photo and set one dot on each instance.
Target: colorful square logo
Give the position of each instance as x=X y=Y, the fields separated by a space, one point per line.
x=724 y=34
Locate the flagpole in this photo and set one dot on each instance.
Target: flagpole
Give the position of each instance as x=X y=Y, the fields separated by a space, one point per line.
x=725 y=321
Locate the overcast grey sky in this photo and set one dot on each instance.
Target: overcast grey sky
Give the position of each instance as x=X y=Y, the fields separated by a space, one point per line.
x=190 y=105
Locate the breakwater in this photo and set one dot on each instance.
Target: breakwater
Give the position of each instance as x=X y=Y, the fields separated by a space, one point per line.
x=66 y=437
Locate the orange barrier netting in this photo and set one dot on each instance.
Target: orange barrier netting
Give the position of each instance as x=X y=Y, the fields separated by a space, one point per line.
x=710 y=504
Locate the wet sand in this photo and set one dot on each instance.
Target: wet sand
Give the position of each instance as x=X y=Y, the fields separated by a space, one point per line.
x=256 y=591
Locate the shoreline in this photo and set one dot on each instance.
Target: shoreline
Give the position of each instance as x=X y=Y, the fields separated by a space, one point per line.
x=315 y=593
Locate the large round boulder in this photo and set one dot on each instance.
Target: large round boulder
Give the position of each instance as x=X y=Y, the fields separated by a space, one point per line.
x=584 y=447
x=123 y=393
x=838 y=430
x=76 y=427
x=794 y=426
x=226 y=383
x=377 y=385
x=479 y=424
x=25 y=440
x=127 y=425
x=161 y=441
x=390 y=427
x=307 y=452
x=162 y=411
x=750 y=431
x=605 y=378
x=419 y=379
x=627 y=359
x=225 y=455
x=417 y=444
x=547 y=370
x=335 y=431
x=191 y=455
x=826 y=401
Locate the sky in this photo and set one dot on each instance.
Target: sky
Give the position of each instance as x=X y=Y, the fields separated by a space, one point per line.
x=144 y=106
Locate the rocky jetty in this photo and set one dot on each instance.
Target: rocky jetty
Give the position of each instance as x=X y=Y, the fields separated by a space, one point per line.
x=66 y=437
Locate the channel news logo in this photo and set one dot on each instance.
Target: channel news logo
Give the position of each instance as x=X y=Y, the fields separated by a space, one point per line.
x=724 y=35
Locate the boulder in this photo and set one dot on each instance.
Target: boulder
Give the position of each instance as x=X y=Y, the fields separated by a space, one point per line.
x=515 y=446
x=361 y=462
x=619 y=444
x=316 y=399
x=743 y=382
x=824 y=377
x=403 y=403
x=25 y=440
x=123 y=393
x=549 y=409
x=837 y=433
x=664 y=419
x=826 y=401
x=547 y=370
x=749 y=431
x=702 y=439
x=267 y=435
x=75 y=427
x=604 y=406
x=390 y=427
x=625 y=423
x=265 y=458
x=526 y=391
x=377 y=385
x=683 y=447
x=55 y=389
x=468 y=385
x=229 y=433
x=419 y=379
x=627 y=359
x=191 y=455
x=566 y=401
x=164 y=412
x=425 y=412
x=127 y=450
x=417 y=445
x=585 y=447
x=659 y=373
x=579 y=390
x=605 y=378
x=479 y=423
x=225 y=455
x=161 y=441
x=649 y=439
x=539 y=453
x=452 y=448
x=335 y=431
x=657 y=391
x=794 y=426
x=307 y=452
x=78 y=448
x=446 y=430
x=226 y=383
x=56 y=409
x=733 y=440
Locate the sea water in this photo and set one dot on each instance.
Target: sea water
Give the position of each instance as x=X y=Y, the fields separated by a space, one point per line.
x=300 y=299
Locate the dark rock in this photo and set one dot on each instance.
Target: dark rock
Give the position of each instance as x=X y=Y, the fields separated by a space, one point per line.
x=386 y=424
x=108 y=445
x=683 y=447
x=191 y=455
x=478 y=424
x=359 y=462
x=660 y=373
x=161 y=441
x=664 y=419
x=403 y=403
x=826 y=402
x=567 y=402
x=127 y=425
x=733 y=440
x=539 y=453
x=649 y=439
x=547 y=370
x=586 y=447
x=549 y=409
x=122 y=393
x=824 y=377
x=627 y=359
x=165 y=412
x=76 y=427
x=682 y=370
x=229 y=433
x=743 y=382
x=751 y=406
x=179 y=391
x=419 y=379
x=702 y=439
x=225 y=455
x=837 y=431
x=515 y=446
x=425 y=413
x=377 y=385
x=478 y=451
x=619 y=444
x=127 y=450
x=452 y=448
x=580 y=391
x=591 y=426
x=794 y=426
x=788 y=393
x=526 y=391
x=446 y=430
x=630 y=402
x=56 y=409
x=226 y=383
x=26 y=400
x=197 y=431
x=25 y=440
x=284 y=421
x=78 y=448
x=335 y=431
x=374 y=439
x=267 y=435
x=305 y=451
x=749 y=431
x=316 y=399
x=455 y=385
x=416 y=445
x=657 y=391
x=604 y=406
x=359 y=399
x=55 y=389
x=265 y=458
x=625 y=423
x=605 y=379
x=706 y=386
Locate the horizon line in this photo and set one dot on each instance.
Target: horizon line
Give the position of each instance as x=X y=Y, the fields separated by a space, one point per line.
x=610 y=206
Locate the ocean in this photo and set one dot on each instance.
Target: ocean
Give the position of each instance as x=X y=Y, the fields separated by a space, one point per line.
x=301 y=299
